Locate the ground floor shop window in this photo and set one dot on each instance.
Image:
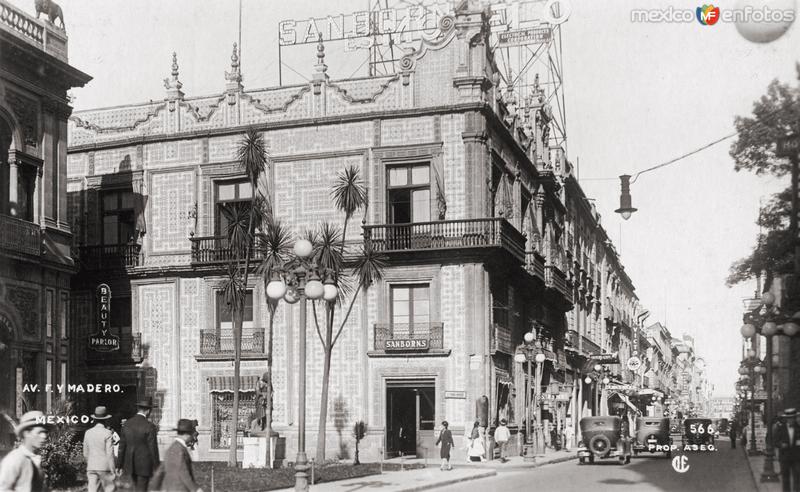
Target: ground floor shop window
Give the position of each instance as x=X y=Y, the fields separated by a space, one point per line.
x=222 y=427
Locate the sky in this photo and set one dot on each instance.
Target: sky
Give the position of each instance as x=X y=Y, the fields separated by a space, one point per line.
x=637 y=95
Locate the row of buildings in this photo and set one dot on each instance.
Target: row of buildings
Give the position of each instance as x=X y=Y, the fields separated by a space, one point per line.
x=487 y=232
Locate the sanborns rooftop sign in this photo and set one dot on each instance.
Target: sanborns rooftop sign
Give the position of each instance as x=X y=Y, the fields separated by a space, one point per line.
x=103 y=341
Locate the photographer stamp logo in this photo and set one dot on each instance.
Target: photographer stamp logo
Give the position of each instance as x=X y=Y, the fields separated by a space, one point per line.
x=680 y=463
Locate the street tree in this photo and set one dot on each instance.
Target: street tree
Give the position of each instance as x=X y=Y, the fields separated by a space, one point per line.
x=775 y=115
x=243 y=220
x=349 y=195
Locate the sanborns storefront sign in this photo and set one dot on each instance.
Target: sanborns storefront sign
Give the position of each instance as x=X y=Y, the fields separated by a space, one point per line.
x=103 y=341
x=407 y=345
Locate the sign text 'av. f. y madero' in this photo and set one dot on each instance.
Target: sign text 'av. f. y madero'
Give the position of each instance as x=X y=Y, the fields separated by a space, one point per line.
x=103 y=341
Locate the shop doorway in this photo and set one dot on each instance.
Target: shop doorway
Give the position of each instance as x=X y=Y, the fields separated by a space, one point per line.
x=410 y=417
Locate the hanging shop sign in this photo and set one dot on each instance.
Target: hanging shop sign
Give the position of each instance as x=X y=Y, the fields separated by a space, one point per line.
x=612 y=358
x=103 y=341
x=634 y=363
x=407 y=345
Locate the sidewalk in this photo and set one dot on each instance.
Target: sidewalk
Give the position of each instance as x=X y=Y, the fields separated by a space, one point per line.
x=432 y=477
x=756 y=466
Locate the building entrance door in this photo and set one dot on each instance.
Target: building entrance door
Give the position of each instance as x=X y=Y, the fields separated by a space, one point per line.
x=410 y=417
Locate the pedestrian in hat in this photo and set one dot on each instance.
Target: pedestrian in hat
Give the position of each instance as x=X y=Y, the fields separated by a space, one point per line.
x=177 y=473
x=786 y=434
x=501 y=437
x=21 y=469
x=446 y=438
x=138 y=448
x=98 y=449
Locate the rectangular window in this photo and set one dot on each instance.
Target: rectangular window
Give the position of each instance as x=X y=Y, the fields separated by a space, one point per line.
x=119 y=223
x=50 y=311
x=63 y=375
x=26 y=185
x=225 y=316
x=229 y=194
x=410 y=305
x=49 y=381
x=222 y=417
x=64 y=316
x=409 y=193
x=121 y=316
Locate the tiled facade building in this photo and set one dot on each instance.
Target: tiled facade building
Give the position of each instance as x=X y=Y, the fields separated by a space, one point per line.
x=35 y=227
x=467 y=199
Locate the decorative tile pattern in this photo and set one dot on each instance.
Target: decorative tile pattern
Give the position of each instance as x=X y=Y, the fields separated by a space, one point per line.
x=405 y=131
x=171 y=197
x=192 y=317
x=156 y=323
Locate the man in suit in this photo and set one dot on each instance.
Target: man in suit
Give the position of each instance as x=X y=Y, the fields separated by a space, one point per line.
x=138 y=447
x=98 y=449
x=786 y=436
x=177 y=468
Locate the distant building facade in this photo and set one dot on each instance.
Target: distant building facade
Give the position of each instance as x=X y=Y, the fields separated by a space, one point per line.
x=36 y=263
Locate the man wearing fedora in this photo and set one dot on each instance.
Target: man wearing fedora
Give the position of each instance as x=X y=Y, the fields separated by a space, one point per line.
x=98 y=449
x=21 y=469
x=138 y=447
x=177 y=466
x=787 y=439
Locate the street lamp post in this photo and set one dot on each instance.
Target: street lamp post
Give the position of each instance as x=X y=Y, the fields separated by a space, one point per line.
x=300 y=281
x=764 y=319
x=600 y=374
x=529 y=352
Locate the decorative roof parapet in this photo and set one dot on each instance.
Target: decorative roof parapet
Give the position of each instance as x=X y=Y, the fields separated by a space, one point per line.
x=173 y=85
x=320 y=75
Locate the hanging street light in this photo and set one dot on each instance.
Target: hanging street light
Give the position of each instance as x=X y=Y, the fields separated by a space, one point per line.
x=625 y=207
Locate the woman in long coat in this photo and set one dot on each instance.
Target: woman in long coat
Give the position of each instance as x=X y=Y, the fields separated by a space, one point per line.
x=446 y=438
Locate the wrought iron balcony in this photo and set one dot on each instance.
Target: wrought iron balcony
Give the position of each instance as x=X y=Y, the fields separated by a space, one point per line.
x=216 y=249
x=110 y=256
x=213 y=343
x=534 y=264
x=556 y=279
x=447 y=235
x=20 y=236
x=404 y=337
x=130 y=352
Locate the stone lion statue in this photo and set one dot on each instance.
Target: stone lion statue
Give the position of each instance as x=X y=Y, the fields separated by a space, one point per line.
x=51 y=9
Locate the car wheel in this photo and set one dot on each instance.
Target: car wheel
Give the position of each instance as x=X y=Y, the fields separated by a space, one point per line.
x=600 y=445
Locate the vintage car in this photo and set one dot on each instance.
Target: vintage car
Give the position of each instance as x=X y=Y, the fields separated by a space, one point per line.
x=600 y=438
x=652 y=436
x=698 y=431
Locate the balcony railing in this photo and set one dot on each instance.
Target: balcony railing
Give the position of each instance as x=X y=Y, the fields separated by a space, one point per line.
x=447 y=234
x=22 y=23
x=130 y=351
x=20 y=236
x=216 y=249
x=213 y=343
x=534 y=264
x=557 y=280
x=590 y=347
x=110 y=256
x=407 y=338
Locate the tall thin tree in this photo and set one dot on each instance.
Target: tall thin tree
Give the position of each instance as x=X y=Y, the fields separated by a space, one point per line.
x=349 y=195
x=243 y=219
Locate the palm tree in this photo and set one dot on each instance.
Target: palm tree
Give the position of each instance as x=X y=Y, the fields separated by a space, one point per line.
x=274 y=245
x=349 y=196
x=243 y=219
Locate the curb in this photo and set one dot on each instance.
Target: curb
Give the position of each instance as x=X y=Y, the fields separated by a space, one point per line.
x=525 y=466
x=453 y=481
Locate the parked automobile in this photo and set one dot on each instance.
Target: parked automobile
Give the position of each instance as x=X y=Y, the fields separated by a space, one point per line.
x=722 y=426
x=600 y=438
x=652 y=436
x=698 y=431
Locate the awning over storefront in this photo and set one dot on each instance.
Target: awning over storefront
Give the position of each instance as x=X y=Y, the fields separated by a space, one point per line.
x=222 y=384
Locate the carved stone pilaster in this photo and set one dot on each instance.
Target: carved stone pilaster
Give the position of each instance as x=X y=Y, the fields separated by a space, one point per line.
x=26 y=112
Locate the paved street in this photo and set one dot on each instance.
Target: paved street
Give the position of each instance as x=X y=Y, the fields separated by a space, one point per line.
x=725 y=470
